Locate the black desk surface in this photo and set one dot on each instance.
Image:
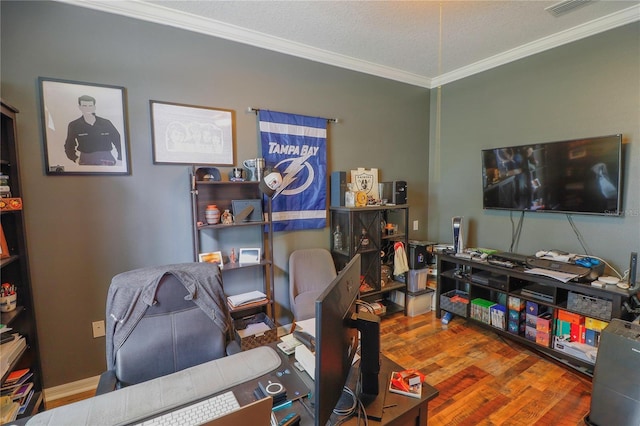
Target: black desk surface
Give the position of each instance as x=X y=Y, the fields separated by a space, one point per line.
x=395 y=405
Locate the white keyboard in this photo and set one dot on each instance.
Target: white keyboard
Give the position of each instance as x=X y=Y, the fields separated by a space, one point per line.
x=200 y=412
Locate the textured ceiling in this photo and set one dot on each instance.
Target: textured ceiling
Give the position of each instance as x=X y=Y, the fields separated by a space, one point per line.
x=426 y=43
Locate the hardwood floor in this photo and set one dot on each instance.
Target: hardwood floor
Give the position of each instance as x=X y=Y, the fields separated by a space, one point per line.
x=482 y=378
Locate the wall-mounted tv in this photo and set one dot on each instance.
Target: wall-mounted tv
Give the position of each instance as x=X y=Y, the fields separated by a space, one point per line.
x=576 y=176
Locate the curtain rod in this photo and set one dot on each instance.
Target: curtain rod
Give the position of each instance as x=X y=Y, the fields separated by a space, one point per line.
x=329 y=120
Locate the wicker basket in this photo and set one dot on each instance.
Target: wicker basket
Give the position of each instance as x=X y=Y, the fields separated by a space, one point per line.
x=455 y=307
x=590 y=306
x=255 y=340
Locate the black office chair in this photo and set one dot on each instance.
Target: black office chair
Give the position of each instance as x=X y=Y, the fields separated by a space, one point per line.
x=164 y=319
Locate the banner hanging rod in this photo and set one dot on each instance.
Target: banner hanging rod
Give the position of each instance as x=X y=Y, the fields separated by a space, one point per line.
x=329 y=120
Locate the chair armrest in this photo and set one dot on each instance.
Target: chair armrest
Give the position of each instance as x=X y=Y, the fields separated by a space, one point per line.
x=107 y=383
x=233 y=348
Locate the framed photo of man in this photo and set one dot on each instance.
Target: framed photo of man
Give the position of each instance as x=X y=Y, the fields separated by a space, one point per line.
x=84 y=128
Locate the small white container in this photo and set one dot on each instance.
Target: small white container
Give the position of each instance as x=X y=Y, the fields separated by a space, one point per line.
x=8 y=303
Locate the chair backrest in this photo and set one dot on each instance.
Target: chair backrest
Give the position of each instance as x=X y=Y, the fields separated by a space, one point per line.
x=173 y=334
x=310 y=272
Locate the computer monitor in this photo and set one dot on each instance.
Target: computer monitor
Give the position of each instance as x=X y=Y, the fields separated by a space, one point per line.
x=337 y=326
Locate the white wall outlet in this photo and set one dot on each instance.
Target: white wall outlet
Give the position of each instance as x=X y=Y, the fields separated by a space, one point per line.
x=98 y=328
x=415 y=225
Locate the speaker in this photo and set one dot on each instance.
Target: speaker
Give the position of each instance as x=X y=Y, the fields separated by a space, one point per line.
x=615 y=398
x=338 y=188
x=399 y=192
x=633 y=269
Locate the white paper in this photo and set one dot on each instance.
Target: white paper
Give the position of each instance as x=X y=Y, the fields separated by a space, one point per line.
x=556 y=275
x=253 y=329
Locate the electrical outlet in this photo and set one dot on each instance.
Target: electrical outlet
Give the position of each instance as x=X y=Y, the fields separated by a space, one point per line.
x=415 y=225
x=98 y=328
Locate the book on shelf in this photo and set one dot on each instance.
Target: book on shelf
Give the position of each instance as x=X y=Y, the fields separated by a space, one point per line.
x=407 y=382
x=25 y=402
x=10 y=352
x=8 y=409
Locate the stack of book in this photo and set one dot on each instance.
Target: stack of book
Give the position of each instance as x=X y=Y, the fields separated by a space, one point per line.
x=5 y=190
x=17 y=391
x=10 y=351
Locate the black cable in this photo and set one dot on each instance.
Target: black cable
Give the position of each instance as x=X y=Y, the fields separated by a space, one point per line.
x=578 y=235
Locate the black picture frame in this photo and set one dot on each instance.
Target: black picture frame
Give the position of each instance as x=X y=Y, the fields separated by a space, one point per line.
x=255 y=215
x=72 y=146
x=191 y=134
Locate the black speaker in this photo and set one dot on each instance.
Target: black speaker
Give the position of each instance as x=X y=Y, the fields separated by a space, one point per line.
x=633 y=269
x=399 y=192
x=338 y=188
x=615 y=399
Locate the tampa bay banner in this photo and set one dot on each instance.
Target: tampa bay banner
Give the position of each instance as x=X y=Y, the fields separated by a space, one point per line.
x=297 y=146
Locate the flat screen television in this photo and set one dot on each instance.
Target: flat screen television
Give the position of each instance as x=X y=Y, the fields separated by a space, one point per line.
x=575 y=176
x=337 y=326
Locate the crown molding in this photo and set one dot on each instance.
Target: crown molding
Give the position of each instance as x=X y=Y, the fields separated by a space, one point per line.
x=165 y=16
x=614 y=20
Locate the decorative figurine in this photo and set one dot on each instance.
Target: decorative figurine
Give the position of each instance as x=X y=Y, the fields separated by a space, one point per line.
x=227 y=217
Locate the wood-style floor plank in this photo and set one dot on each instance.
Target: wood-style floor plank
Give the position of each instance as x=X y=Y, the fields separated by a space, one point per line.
x=483 y=378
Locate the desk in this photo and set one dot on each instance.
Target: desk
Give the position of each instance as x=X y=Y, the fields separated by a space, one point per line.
x=402 y=410
x=245 y=369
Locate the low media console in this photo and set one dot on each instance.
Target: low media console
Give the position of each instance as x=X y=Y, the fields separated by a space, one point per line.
x=526 y=307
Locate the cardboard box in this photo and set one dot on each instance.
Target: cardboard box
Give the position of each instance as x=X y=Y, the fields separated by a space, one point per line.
x=595 y=324
x=517 y=315
x=530 y=333
x=544 y=322
x=576 y=350
x=481 y=310
x=498 y=316
x=516 y=327
x=531 y=320
x=570 y=317
x=592 y=337
x=516 y=304
x=542 y=338
x=247 y=338
x=578 y=333
x=532 y=308
x=563 y=329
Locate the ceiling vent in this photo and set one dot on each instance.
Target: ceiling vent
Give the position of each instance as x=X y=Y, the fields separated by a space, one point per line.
x=566 y=6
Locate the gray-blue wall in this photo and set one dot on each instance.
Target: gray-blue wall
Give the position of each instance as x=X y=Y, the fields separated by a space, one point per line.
x=83 y=230
x=587 y=88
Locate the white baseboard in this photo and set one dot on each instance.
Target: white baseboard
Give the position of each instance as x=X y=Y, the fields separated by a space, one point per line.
x=68 y=389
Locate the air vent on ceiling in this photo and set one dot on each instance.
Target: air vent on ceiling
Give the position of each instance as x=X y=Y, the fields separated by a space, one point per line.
x=566 y=6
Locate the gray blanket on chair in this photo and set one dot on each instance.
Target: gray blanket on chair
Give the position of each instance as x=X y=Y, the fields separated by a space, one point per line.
x=130 y=293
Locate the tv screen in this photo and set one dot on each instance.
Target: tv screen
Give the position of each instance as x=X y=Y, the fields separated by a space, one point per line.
x=575 y=176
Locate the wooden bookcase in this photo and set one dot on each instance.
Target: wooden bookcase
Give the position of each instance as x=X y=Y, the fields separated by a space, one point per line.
x=15 y=266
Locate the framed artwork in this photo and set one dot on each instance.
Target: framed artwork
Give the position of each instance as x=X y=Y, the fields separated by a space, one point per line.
x=249 y=255
x=212 y=257
x=84 y=128
x=247 y=210
x=188 y=134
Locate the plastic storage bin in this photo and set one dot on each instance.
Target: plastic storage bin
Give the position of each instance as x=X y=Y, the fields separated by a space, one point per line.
x=417 y=280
